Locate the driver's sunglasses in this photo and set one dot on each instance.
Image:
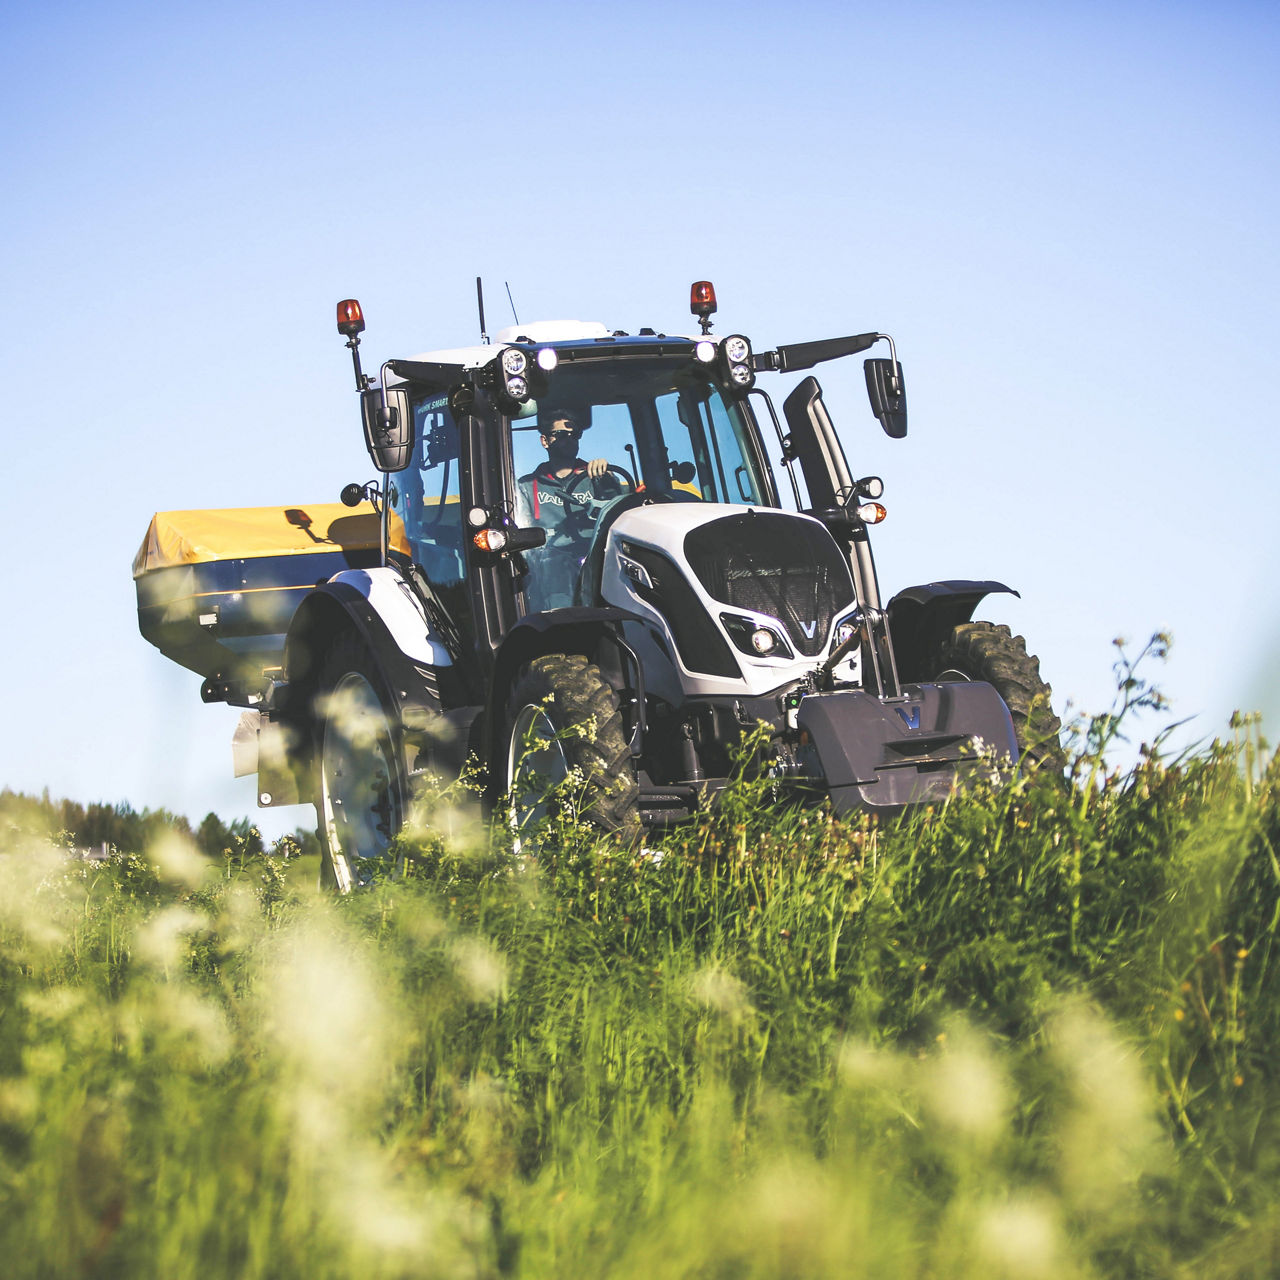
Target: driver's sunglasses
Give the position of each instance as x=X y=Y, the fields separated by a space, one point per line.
x=561 y=433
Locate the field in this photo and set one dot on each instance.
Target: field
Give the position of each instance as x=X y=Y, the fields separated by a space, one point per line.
x=1033 y=1032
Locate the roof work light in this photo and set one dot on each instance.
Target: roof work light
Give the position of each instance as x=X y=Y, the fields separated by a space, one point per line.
x=514 y=371
x=739 y=369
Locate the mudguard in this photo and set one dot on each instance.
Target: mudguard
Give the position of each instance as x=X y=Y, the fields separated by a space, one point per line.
x=398 y=609
x=920 y=618
x=394 y=631
x=880 y=755
x=593 y=632
x=262 y=746
x=379 y=607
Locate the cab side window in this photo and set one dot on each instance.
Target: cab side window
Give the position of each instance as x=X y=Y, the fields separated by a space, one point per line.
x=430 y=497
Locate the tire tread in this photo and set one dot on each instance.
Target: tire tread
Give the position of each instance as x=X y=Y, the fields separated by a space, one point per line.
x=576 y=691
x=990 y=651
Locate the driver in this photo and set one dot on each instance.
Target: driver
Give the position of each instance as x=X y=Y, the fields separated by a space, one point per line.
x=564 y=495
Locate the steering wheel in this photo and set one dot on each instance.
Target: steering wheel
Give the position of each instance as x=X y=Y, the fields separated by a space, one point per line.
x=588 y=499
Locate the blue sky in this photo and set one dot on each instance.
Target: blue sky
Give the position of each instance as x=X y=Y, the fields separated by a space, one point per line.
x=1065 y=214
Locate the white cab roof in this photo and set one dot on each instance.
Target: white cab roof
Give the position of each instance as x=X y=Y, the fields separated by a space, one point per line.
x=539 y=331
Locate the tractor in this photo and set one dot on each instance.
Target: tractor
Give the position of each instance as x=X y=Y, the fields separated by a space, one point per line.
x=578 y=562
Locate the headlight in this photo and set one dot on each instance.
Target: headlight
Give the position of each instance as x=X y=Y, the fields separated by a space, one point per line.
x=763 y=640
x=704 y=352
x=754 y=638
x=547 y=359
x=735 y=357
x=514 y=361
x=517 y=388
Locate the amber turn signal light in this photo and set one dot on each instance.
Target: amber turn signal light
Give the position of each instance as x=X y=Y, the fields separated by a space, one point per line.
x=490 y=539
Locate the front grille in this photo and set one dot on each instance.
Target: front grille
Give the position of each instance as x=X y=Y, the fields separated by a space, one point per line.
x=778 y=565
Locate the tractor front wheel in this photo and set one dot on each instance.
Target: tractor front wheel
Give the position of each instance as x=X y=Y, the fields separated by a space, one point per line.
x=564 y=750
x=990 y=652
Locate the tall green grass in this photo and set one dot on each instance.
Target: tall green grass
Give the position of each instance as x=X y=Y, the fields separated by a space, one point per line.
x=1033 y=1032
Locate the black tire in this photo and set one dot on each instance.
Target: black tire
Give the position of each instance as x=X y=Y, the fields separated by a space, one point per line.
x=565 y=702
x=360 y=780
x=988 y=651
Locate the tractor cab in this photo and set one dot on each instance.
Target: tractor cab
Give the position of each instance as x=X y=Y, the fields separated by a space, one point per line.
x=648 y=425
x=521 y=455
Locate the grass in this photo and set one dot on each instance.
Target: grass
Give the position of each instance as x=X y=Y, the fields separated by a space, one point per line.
x=1031 y=1033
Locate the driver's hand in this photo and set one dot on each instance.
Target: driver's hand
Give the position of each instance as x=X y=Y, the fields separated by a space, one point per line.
x=597 y=467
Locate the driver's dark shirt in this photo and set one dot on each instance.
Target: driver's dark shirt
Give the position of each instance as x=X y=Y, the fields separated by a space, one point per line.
x=545 y=500
x=549 y=503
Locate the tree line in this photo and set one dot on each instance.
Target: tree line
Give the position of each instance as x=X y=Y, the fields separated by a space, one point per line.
x=122 y=827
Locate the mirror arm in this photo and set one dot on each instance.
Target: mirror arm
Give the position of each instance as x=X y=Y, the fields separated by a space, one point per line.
x=804 y=355
x=893 y=355
x=431 y=374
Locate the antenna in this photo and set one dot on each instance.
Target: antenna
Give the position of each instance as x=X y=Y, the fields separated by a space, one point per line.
x=511 y=300
x=484 y=337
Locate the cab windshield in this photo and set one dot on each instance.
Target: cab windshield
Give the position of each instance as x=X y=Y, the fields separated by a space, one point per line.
x=659 y=426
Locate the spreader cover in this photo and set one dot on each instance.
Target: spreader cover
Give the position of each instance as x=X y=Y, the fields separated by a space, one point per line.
x=217 y=589
x=243 y=533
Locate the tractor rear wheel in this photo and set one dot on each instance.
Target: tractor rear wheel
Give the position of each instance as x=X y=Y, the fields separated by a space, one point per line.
x=361 y=784
x=563 y=726
x=989 y=651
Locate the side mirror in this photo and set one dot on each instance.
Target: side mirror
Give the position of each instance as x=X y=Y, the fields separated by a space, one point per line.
x=388 y=432
x=888 y=395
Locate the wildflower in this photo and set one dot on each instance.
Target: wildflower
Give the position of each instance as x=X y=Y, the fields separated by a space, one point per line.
x=1021 y=1238
x=963 y=1087
x=721 y=991
x=481 y=968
